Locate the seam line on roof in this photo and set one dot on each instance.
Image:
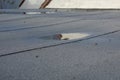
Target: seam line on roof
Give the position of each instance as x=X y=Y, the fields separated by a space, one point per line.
x=54 y=45
x=18 y=19
x=71 y=21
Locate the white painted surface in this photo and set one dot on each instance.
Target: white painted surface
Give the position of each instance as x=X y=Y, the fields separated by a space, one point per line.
x=85 y=4
x=73 y=36
x=35 y=4
x=32 y=4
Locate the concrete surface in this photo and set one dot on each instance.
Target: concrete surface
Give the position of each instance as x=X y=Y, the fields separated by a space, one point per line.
x=102 y=4
x=28 y=53
x=35 y=4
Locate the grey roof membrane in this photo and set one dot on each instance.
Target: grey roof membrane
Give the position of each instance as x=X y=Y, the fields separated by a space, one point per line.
x=28 y=51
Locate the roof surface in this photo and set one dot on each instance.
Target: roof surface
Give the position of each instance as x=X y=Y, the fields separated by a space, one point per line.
x=27 y=51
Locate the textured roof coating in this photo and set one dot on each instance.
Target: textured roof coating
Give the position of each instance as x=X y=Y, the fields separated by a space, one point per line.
x=27 y=52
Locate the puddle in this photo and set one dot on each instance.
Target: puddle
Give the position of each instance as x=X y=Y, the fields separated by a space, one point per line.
x=66 y=36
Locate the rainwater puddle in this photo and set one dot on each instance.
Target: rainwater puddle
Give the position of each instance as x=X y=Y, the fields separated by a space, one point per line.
x=66 y=36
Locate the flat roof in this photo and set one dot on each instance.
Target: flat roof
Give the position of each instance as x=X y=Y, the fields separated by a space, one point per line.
x=28 y=50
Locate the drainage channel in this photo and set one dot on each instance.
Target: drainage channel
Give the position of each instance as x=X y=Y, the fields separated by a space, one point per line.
x=59 y=36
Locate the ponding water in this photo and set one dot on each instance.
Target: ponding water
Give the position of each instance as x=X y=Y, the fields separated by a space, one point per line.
x=71 y=36
x=66 y=36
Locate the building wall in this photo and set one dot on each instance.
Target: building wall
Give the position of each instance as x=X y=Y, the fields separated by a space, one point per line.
x=9 y=4
x=35 y=4
x=85 y=4
x=32 y=4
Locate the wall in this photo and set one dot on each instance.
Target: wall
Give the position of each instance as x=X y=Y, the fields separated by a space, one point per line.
x=9 y=4
x=85 y=4
x=35 y=4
